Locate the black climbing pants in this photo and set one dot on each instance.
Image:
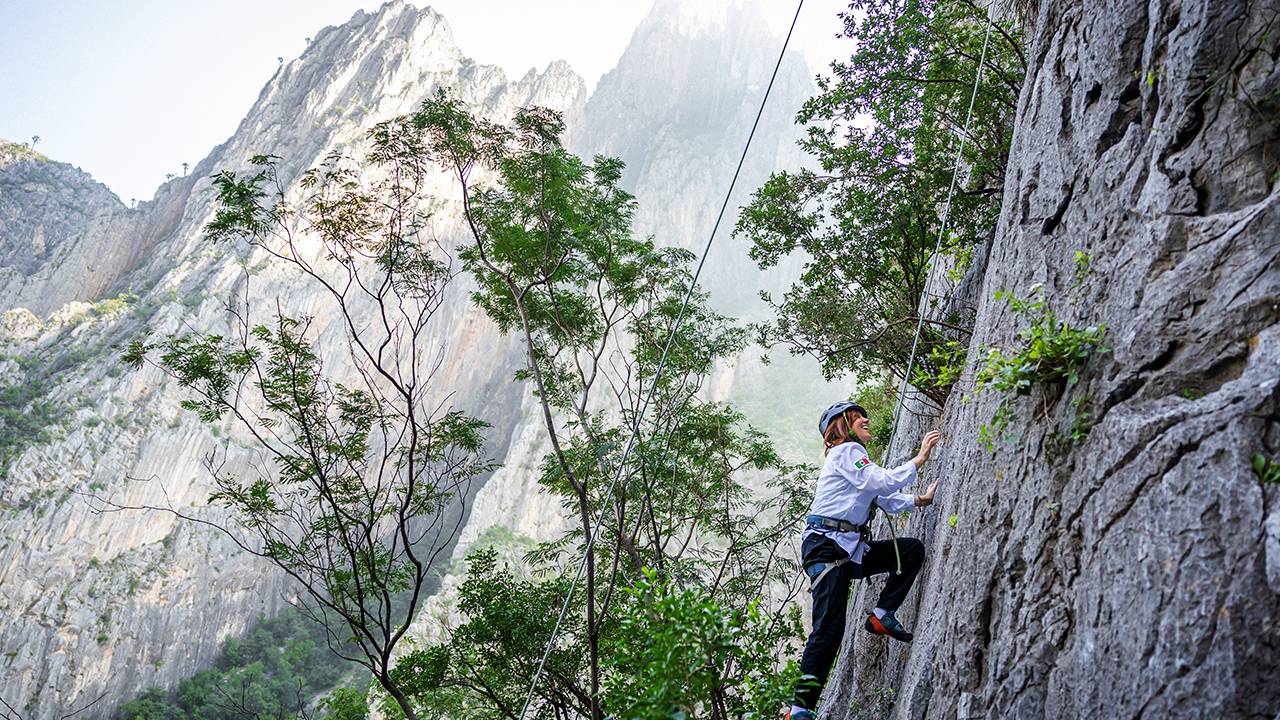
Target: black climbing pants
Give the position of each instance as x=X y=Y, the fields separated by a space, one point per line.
x=831 y=600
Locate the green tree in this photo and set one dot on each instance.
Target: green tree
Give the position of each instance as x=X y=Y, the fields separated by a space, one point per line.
x=274 y=671
x=369 y=465
x=557 y=265
x=884 y=131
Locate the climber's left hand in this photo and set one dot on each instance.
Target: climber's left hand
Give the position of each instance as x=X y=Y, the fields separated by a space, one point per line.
x=927 y=497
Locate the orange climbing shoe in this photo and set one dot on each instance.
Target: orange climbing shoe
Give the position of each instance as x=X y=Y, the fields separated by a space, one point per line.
x=887 y=625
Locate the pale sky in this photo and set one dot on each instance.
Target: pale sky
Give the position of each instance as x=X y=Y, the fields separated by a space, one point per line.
x=128 y=90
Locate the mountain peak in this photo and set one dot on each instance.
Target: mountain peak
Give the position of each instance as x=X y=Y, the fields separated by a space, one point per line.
x=700 y=17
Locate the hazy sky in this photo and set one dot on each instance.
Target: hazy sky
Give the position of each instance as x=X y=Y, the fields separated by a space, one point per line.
x=130 y=89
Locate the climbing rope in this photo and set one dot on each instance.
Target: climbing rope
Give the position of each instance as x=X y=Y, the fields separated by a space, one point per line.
x=946 y=215
x=662 y=363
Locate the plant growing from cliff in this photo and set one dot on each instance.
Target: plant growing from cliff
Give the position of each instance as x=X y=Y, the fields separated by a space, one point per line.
x=361 y=467
x=30 y=413
x=1050 y=351
x=1266 y=470
x=884 y=132
x=1084 y=265
x=556 y=264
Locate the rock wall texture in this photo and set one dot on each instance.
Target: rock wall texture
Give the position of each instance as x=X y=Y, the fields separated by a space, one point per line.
x=1137 y=573
x=65 y=237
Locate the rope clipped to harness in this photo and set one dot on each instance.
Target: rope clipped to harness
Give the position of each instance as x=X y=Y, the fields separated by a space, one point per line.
x=864 y=534
x=897 y=556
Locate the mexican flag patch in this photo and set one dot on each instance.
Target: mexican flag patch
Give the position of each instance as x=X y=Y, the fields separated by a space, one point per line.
x=862 y=463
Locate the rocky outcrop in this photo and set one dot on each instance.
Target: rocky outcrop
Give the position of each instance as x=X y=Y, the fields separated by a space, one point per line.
x=1134 y=574
x=65 y=237
x=677 y=109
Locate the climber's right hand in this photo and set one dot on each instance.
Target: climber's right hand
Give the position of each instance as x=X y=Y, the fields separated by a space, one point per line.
x=926 y=448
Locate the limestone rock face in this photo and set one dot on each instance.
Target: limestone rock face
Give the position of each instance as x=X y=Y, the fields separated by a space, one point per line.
x=1133 y=574
x=677 y=109
x=64 y=237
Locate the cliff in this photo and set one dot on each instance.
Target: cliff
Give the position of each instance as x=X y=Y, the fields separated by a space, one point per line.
x=1137 y=573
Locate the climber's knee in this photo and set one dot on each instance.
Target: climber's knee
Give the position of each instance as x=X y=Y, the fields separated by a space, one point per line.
x=912 y=551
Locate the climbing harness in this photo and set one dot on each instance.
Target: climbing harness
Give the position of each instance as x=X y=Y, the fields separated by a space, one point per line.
x=836 y=524
x=662 y=364
x=818 y=571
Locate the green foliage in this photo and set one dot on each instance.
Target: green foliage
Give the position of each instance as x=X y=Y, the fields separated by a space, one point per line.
x=1082 y=422
x=963 y=256
x=553 y=256
x=1050 y=351
x=1266 y=470
x=29 y=415
x=273 y=671
x=885 y=130
x=677 y=648
x=114 y=305
x=953 y=520
x=369 y=473
x=1083 y=262
x=489 y=659
x=879 y=399
x=942 y=367
x=345 y=704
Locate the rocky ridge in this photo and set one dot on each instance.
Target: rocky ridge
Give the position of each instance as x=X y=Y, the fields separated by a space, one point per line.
x=85 y=591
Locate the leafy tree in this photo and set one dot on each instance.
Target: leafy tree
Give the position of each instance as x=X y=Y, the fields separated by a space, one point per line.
x=556 y=263
x=274 y=671
x=34 y=139
x=683 y=645
x=884 y=131
x=184 y=169
x=370 y=466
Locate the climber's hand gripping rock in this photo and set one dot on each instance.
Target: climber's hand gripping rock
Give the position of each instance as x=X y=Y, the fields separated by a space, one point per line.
x=926 y=448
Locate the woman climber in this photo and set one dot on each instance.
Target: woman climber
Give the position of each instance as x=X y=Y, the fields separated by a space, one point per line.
x=836 y=545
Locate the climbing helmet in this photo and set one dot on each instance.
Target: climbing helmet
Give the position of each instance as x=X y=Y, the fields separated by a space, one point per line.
x=836 y=411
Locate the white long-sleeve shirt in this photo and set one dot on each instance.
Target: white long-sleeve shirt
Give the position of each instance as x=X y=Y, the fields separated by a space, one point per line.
x=847 y=485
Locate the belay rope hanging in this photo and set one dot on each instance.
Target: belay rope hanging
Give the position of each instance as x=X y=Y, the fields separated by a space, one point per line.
x=942 y=231
x=662 y=363
x=922 y=306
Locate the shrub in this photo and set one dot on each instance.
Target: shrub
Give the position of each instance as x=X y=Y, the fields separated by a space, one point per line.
x=1051 y=351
